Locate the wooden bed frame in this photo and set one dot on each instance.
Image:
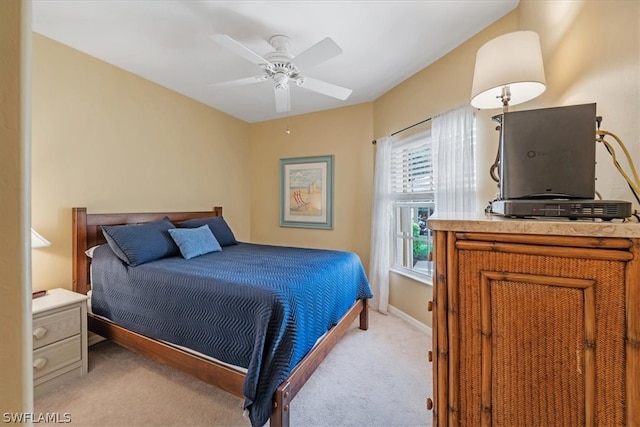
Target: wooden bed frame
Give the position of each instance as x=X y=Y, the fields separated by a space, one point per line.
x=87 y=233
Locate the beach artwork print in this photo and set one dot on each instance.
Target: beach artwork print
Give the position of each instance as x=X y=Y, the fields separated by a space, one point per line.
x=306 y=189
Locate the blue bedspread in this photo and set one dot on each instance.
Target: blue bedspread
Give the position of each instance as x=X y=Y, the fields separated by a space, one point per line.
x=256 y=306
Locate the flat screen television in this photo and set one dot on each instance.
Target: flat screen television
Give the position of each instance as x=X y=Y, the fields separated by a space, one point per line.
x=548 y=153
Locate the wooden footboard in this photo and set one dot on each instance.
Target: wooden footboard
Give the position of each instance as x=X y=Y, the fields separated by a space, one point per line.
x=86 y=233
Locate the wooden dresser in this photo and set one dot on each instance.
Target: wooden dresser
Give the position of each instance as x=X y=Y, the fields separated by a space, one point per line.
x=535 y=322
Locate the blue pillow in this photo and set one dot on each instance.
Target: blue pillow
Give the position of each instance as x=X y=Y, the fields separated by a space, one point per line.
x=194 y=242
x=218 y=226
x=136 y=244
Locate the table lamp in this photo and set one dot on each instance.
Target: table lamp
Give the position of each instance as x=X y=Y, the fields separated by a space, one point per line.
x=508 y=71
x=37 y=241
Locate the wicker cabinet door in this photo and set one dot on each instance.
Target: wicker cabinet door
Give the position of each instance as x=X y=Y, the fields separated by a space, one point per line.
x=537 y=339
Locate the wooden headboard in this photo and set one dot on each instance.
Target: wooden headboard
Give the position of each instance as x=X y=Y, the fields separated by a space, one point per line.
x=87 y=234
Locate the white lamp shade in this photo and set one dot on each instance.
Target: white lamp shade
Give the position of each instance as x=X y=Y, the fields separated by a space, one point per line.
x=37 y=241
x=513 y=60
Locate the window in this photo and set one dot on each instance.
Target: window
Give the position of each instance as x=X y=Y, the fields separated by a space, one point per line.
x=412 y=189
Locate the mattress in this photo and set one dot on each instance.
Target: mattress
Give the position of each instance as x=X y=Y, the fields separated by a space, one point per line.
x=188 y=350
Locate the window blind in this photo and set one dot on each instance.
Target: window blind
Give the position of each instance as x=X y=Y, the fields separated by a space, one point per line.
x=412 y=170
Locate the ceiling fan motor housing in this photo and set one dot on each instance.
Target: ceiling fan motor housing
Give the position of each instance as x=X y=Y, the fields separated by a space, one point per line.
x=281 y=72
x=281 y=44
x=280 y=68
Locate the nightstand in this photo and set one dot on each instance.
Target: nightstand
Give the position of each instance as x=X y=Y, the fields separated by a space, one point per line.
x=59 y=338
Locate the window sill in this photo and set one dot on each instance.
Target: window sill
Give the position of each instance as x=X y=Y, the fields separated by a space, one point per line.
x=413 y=275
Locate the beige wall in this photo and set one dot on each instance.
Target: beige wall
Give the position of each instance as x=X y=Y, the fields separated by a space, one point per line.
x=16 y=395
x=591 y=51
x=111 y=141
x=346 y=134
x=93 y=123
x=440 y=87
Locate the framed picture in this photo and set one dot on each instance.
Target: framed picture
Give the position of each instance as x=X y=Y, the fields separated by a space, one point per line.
x=306 y=192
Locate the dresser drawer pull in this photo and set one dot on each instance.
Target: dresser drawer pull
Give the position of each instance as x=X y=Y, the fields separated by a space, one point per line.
x=39 y=333
x=430 y=306
x=430 y=356
x=429 y=403
x=39 y=363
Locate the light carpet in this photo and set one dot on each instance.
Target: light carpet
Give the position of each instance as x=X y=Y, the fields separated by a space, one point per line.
x=379 y=377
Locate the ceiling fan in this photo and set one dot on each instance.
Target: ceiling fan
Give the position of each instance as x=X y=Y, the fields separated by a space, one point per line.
x=282 y=68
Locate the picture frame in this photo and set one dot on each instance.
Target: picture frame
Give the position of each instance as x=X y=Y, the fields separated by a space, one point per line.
x=306 y=192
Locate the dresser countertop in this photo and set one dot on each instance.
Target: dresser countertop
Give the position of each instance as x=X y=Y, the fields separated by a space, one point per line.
x=489 y=223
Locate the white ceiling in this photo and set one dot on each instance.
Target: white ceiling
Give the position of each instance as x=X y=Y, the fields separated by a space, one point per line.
x=169 y=42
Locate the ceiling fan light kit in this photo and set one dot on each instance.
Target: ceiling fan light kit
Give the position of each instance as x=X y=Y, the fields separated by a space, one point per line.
x=281 y=67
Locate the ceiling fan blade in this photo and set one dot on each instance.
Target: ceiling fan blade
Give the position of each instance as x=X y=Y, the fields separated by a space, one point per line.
x=283 y=101
x=324 y=88
x=240 y=82
x=317 y=54
x=239 y=49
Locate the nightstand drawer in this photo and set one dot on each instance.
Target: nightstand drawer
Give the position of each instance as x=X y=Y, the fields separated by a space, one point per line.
x=56 y=326
x=56 y=356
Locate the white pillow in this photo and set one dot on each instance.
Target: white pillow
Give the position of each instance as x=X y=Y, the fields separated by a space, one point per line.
x=89 y=252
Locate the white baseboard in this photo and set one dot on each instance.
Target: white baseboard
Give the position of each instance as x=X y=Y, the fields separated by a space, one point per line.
x=404 y=316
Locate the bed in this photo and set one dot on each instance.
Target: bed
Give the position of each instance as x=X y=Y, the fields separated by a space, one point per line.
x=289 y=329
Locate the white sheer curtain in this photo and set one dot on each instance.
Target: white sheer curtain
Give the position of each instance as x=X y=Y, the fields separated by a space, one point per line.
x=453 y=136
x=380 y=252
